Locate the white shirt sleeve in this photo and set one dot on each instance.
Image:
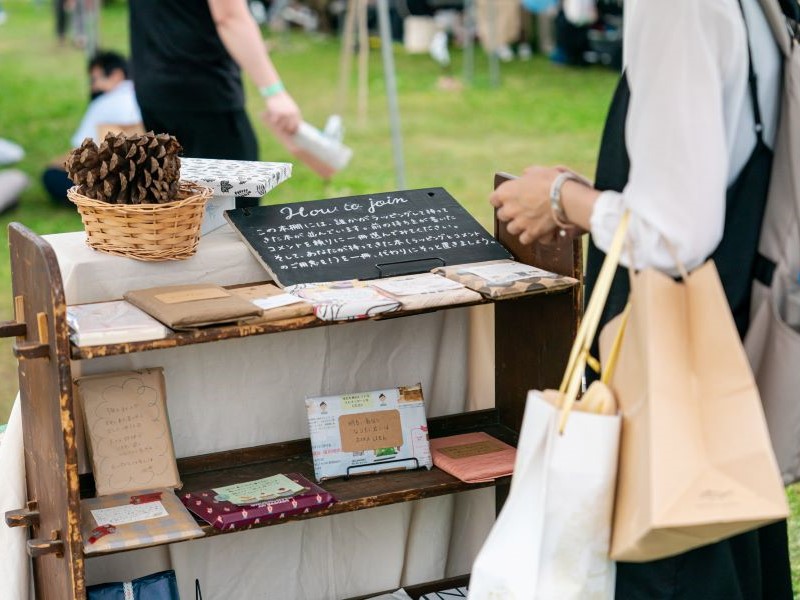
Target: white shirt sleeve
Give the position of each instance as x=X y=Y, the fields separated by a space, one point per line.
x=682 y=57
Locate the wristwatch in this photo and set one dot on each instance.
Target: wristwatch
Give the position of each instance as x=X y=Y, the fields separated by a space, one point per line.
x=556 y=205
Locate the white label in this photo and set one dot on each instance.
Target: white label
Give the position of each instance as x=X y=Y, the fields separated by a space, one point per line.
x=129 y=513
x=504 y=273
x=276 y=301
x=418 y=284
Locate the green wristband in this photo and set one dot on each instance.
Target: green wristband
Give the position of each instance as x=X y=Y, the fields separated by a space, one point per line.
x=271 y=90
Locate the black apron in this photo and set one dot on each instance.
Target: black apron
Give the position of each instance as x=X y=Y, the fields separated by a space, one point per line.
x=754 y=565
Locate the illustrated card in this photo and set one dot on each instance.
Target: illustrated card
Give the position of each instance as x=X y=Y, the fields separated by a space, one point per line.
x=354 y=434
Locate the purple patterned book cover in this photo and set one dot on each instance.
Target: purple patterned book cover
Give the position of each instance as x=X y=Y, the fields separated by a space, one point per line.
x=222 y=514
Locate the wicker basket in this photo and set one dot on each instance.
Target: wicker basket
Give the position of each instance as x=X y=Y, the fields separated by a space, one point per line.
x=168 y=231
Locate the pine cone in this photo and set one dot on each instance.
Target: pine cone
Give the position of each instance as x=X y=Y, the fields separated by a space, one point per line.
x=140 y=169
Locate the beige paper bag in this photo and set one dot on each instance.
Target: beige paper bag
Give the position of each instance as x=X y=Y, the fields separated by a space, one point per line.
x=696 y=464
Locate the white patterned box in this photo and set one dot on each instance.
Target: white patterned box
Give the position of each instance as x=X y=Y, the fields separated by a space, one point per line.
x=229 y=179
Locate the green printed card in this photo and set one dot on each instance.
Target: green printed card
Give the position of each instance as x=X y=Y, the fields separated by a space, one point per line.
x=260 y=490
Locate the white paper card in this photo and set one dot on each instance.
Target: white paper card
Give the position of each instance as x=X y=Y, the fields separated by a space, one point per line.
x=427 y=283
x=129 y=513
x=276 y=301
x=504 y=273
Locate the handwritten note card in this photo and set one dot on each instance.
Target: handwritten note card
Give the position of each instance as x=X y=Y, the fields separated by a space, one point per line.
x=129 y=513
x=371 y=430
x=127 y=427
x=363 y=237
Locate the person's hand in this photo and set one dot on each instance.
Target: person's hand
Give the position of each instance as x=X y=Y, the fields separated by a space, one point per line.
x=282 y=113
x=524 y=203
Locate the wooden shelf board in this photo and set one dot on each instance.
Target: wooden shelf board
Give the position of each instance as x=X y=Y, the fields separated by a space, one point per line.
x=226 y=332
x=355 y=493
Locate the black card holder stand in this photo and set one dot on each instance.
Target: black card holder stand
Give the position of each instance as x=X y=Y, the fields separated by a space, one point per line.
x=383 y=462
x=406 y=267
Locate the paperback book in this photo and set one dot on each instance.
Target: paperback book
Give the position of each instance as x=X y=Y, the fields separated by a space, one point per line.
x=221 y=513
x=111 y=323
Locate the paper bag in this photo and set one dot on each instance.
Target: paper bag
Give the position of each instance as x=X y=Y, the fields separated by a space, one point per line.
x=696 y=464
x=550 y=540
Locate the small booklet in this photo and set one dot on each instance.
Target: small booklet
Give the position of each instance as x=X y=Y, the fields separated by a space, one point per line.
x=473 y=457
x=111 y=323
x=135 y=520
x=368 y=432
x=505 y=278
x=220 y=513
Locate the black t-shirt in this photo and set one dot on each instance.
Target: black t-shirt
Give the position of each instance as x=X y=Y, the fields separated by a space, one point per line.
x=177 y=59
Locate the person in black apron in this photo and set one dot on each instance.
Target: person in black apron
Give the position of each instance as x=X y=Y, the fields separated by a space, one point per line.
x=750 y=566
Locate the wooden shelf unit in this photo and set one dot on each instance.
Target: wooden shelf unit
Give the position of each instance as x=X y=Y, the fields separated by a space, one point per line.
x=533 y=336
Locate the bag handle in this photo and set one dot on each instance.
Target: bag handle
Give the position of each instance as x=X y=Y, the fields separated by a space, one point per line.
x=579 y=355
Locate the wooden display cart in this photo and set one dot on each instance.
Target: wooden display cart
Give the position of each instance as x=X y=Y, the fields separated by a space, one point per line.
x=533 y=336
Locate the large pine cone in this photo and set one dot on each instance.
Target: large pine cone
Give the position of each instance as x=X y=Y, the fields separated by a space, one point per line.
x=138 y=169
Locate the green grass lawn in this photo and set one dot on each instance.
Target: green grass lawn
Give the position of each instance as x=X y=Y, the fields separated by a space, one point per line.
x=456 y=139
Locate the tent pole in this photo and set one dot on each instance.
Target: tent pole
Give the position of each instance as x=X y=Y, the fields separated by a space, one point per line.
x=391 y=92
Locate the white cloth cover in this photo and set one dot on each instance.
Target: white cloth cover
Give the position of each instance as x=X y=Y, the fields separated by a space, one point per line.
x=247 y=392
x=551 y=539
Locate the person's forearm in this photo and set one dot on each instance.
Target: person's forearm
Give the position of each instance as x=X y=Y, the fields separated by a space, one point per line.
x=242 y=38
x=578 y=201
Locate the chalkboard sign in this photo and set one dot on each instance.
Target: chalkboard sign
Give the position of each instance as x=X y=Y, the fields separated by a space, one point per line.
x=363 y=237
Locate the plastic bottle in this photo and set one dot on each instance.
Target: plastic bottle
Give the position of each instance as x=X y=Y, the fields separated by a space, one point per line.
x=793 y=304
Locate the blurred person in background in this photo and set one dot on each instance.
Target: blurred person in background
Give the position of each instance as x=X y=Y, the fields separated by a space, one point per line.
x=186 y=57
x=113 y=105
x=12 y=181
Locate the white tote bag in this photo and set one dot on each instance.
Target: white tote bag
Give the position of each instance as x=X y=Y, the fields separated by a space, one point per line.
x=550 y=541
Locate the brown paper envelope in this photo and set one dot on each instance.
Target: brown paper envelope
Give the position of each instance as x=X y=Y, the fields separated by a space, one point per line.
x=194 y=305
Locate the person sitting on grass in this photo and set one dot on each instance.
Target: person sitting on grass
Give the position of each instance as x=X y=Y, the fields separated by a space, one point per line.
x=113 y=106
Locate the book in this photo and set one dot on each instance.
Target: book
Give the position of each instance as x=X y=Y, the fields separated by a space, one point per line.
x=127 y=431
x=368 y=432
x=473 y=457
x=504 y=278
x=193 y=305
x=222 y=514
x=135 y=520
x=111 y=323
x=344 y=300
